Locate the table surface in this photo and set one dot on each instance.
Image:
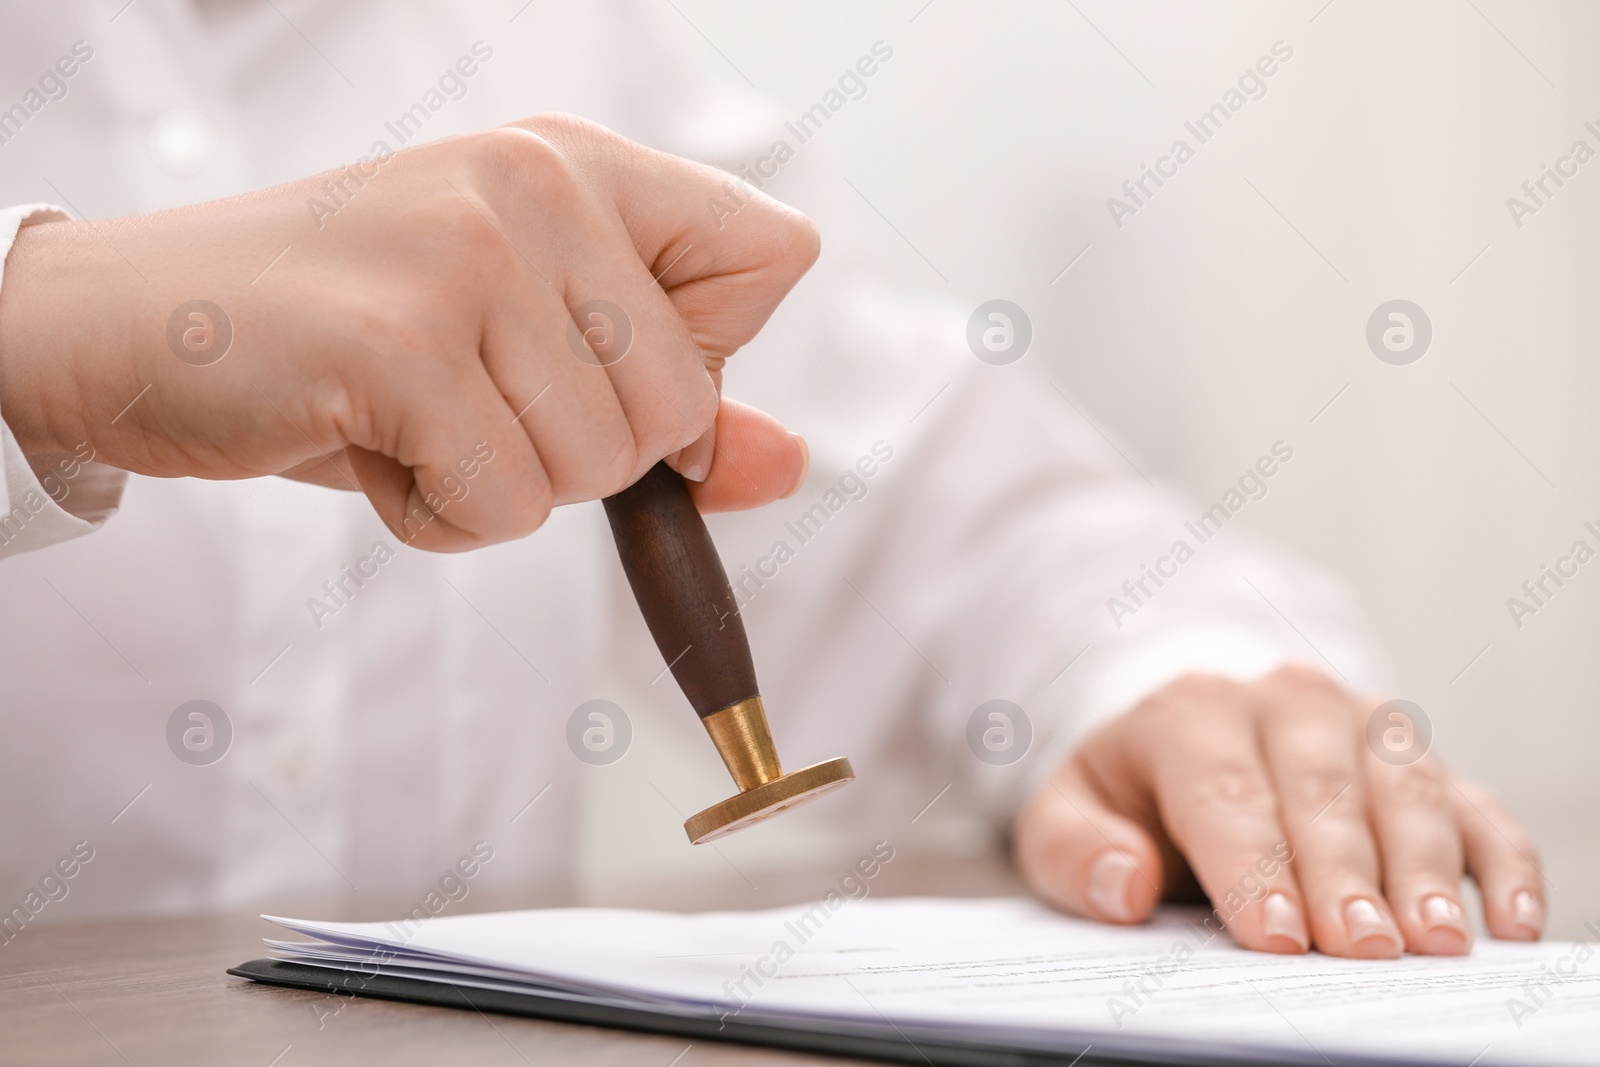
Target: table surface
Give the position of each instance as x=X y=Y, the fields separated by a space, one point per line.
x=154 y=991
x=131 y=993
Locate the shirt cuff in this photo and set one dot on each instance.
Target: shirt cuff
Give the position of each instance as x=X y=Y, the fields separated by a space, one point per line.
x=48 y=499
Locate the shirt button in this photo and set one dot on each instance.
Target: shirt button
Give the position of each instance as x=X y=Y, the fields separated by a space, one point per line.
x=182 y=142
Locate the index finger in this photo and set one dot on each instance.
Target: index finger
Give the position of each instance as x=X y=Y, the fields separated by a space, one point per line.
x=725 y=253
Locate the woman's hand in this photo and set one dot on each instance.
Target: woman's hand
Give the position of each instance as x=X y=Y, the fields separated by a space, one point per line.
x=473 y=331
x=1267 y=797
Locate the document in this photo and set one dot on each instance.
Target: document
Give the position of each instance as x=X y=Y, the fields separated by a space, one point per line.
x=1003 y=975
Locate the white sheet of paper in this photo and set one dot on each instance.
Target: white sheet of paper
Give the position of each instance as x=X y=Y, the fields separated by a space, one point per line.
x=1007 y=973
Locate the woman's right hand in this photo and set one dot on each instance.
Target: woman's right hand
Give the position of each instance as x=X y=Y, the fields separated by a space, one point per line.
x=473 y=331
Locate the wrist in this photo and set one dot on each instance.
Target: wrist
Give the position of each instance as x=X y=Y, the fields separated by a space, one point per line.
x=57 y=301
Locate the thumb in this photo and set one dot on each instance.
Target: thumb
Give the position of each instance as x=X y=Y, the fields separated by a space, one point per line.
x=756 y=461
x=1080 y=856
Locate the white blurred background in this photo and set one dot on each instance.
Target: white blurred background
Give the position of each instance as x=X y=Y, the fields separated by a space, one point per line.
x=1231 y=310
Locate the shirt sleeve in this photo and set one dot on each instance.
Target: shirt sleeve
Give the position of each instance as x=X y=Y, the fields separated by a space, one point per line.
x=1073 y=587
x=46 y=499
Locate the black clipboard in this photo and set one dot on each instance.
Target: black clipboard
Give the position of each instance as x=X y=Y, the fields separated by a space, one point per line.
x=794 y=1036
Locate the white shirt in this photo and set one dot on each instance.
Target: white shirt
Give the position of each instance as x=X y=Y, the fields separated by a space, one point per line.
x=432 y=706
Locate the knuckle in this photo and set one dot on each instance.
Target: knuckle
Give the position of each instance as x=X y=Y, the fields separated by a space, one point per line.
x=700 y=406
x=515 y=151
x=1232 y=788
x=801 y=241
x=1480 y=807
x=787 y=241
x=517 y=159
x=563 y=126
x=1475 y=795
x=1199 y=685
x=1313 y=789
x=617 y=472
x=653 y=443
x=678 y=421
x=1179 y=697
x=1419 y=787
x=1230 y=798
x=1106 y=741
x=335 y=403
x=534 y=508
x=656 y=431
x=1302 y=677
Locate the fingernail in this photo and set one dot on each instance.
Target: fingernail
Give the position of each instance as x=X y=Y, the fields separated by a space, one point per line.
x=1108 y=886
x=1440 y=911
x=805 y=465
x=1371 y=933
x=1280 y=918
x=693 y=460
x=1446 y=924
x=1527 y=914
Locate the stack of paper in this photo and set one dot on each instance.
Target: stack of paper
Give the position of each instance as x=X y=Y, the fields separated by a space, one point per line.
x=947 y=981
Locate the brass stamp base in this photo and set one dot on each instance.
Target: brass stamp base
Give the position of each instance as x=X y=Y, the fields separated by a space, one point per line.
x=763 y=801
x=744 y=741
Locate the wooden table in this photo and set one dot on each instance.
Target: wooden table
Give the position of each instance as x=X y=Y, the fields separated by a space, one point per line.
x=154 y=992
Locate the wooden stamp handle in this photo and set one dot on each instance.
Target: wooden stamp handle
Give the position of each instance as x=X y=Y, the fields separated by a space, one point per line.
x=682 y=589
